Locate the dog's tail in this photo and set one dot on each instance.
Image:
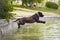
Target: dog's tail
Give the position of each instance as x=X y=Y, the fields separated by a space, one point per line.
x=16 y=20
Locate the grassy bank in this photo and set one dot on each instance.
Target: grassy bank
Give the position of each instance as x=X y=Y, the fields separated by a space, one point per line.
x=44 y=9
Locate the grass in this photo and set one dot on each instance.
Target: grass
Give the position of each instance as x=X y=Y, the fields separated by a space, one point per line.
x=44 y=9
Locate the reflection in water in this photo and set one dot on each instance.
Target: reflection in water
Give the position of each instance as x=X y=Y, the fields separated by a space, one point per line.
x=38 y=31
x=52 y=31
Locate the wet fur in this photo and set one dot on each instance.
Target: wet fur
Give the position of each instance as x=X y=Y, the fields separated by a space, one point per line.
x=31 y=19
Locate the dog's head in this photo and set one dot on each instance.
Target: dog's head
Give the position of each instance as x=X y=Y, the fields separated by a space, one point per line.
x=40 y=14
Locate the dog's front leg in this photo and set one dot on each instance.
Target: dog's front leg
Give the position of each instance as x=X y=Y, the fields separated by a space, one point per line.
x=40 y=21
x=18 y=25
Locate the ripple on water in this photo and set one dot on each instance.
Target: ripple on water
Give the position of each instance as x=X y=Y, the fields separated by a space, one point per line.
x=52 y=30
x=36 y=31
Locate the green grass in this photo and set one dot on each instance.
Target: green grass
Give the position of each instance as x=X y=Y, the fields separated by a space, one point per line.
x=44 y=9
x=59 y=6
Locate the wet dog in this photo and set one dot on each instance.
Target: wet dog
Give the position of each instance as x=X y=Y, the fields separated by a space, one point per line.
x=31 y=19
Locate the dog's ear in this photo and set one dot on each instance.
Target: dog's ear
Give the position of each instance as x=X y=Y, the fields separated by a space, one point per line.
x=40 y=14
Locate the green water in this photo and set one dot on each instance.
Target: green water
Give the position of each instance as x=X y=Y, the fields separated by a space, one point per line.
x=37 y=31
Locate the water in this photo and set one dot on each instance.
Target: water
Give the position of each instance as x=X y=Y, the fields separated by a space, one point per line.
x=38 y=31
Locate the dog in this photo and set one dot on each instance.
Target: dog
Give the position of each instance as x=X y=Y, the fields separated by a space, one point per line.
x=31 y=19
